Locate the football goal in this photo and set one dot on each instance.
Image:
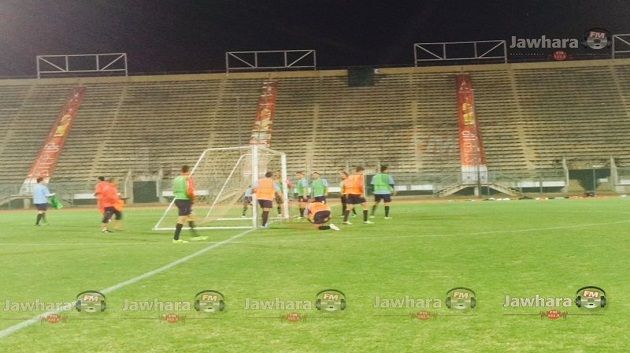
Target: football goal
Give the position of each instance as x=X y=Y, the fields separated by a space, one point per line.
x=221 y=177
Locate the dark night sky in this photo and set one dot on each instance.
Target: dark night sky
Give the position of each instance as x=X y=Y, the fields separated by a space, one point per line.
x=186 y=35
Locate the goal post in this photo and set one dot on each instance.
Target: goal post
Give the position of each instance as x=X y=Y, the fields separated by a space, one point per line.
x=221 y=177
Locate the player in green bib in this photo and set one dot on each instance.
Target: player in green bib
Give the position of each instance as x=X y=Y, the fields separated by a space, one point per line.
x=319 y=187
x=184 y=196
x=301 y=190
x=383 y=186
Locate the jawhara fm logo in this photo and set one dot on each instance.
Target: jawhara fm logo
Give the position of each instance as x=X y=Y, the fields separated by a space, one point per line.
x=209 y=301
x=597 y=38
x=330 y=300
x=590 y=297
x=90 y=301
x=461 y=298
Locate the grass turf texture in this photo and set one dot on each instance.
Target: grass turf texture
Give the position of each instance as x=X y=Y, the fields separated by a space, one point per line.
x=520 y=248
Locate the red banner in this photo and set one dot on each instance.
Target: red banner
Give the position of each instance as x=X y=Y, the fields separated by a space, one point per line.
x=49 y=154
x=473 y=159
x=261 y=133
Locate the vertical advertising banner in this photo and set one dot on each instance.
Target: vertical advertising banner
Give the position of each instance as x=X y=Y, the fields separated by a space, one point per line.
x=48 y=156
x=473 y=159
x=261 y=133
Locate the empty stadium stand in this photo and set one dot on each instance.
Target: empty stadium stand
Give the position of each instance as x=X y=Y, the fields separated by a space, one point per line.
x=535 y=118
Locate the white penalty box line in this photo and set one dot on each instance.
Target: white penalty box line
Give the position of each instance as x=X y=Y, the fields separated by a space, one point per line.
x=68 y=306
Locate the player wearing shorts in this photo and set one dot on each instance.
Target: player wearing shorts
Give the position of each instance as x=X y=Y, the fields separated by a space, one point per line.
x=98 y=191
x=319 y=214
x=383 y=186
x=184 y=195
x=266 y=190
x=343 y=195
x=247 y=199
x=301 y=190
x=40 y=200
x=112 y=205
x=319 y=187
x=354 y=186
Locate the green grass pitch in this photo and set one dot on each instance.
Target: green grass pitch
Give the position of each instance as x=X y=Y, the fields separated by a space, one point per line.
x=516 y=248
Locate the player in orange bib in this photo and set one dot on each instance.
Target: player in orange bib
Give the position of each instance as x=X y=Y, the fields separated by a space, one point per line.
x=266 y=191
x=112 y=204
x=319 y=215
x=98 y=193
x=354 y=187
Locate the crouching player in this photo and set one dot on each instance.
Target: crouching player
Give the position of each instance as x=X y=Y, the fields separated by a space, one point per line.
x=319 y=215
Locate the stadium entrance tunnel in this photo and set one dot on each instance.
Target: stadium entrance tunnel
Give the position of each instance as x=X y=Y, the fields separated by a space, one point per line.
x=145 y=192
x=589 y=181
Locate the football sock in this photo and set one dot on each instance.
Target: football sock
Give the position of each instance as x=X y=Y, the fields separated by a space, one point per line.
x=323 y=227
x=265 y=217
x=365 y=215
x=39 y=218
x=386 y=211
x=301 y=212
x=345 y=215
x=343 y=208
x=178 y=229
x=373 y=209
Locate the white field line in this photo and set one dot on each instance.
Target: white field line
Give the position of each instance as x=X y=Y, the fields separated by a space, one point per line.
x=382 y=237
x=68 y=306
x=358 y=224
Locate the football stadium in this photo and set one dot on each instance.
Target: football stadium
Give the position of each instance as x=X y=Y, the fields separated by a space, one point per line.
x=466 y=200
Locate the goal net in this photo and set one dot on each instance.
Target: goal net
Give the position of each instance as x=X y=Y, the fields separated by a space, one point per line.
x=222 y=177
